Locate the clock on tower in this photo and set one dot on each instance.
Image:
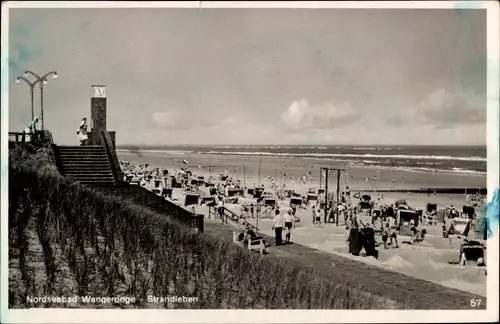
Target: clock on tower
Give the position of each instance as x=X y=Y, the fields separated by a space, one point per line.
x=99 y=91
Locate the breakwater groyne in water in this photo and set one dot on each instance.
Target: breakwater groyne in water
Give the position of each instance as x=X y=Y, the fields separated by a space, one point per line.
x=458 y=191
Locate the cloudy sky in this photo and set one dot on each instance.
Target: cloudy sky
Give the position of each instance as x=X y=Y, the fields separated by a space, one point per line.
x=257 y=76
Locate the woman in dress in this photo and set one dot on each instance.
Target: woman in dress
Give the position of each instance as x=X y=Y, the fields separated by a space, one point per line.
x=82 y=132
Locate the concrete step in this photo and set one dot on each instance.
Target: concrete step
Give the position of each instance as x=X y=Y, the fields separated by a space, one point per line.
x=86 y=170
x=80 y=173
x=102 y=183
x=101 y=149
x=86 y=164
x=91 y=178
x=88 y=147
x=89 y=173
x=83 y=159
x=89 y=166
x=83 y=154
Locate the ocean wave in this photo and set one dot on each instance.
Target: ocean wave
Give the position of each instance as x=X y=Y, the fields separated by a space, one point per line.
x=154 y=151
x=453 y=170
x=367 y=155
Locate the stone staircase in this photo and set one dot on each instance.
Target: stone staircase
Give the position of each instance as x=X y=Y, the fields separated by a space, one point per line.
x=88 y=165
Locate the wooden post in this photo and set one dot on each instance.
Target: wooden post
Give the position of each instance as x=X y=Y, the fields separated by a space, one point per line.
x=260 y=163
x=320 y=178
x=275 y=182
x=283 y=180
x=326 y=191
x=244 y=177
x=258 y=214
x=338 y=194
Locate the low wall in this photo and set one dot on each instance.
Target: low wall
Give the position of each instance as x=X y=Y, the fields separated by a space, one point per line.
x=143 y=197
x=96 y=139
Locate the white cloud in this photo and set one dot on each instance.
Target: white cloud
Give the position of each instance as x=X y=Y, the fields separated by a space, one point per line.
x=303 y=116
x=166 y=119
x=444 y=109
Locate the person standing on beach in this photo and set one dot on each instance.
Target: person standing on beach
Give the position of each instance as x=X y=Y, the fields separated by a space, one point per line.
x=288 y=218
x=258 y=207
x=220 y=208
x=390 y=211
x=278 y=227
x=243 y=211
x=314 y=215
x=341 y=211
x=331 y=214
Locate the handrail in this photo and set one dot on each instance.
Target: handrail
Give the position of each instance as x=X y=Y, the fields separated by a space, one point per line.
x=111 y=155
x=16 y=135
x=235 y=218
x=231 y=213
x=36 y=137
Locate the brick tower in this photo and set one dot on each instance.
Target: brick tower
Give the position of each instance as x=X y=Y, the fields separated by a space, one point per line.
x=98 y=115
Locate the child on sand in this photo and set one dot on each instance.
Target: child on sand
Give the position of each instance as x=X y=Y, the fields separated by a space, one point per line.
x=385 y=234
x=318 y=217
x=448 y=227
x=392 y=231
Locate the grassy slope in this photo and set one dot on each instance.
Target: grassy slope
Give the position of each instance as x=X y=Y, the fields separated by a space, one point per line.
x=68 y=240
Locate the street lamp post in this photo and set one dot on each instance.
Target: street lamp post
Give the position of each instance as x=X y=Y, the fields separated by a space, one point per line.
x=32 y=92
x=41 y=80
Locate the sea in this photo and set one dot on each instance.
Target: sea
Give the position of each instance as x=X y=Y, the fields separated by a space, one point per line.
x=459 y=159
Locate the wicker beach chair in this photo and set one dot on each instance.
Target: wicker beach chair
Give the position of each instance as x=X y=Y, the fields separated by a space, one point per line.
x=252 y=245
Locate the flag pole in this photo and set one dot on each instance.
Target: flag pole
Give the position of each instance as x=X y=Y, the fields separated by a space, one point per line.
x=260 y=163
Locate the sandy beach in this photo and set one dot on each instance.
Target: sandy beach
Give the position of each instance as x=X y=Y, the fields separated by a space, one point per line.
x=295 y=168
x=428 y=260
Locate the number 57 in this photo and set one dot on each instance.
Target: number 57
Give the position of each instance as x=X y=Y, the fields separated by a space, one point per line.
x=475 y=302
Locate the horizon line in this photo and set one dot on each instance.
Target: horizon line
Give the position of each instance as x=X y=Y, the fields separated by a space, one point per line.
x=313 y=144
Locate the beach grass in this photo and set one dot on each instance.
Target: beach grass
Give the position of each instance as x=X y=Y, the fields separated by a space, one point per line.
x=68 y=240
